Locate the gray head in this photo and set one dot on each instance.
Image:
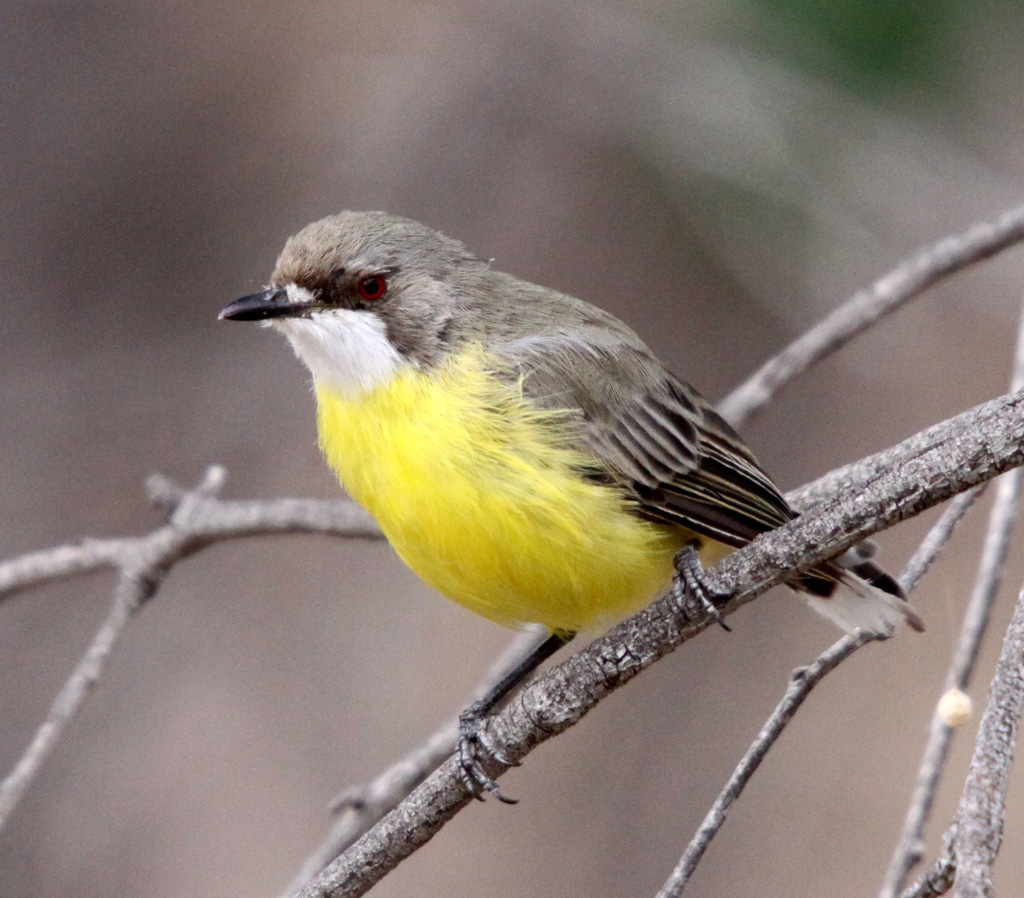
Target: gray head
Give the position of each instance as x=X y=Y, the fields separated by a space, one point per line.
x=360 y=294
x=331 y=255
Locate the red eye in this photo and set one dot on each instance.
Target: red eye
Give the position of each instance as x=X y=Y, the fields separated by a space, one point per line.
x=372 y=287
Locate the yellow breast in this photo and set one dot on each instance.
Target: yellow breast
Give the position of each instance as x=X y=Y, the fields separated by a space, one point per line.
x=480 y=496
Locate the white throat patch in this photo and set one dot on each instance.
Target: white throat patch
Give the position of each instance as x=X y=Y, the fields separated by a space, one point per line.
x=347 y=351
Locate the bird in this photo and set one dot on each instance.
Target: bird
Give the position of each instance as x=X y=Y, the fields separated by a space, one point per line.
x=523 y=451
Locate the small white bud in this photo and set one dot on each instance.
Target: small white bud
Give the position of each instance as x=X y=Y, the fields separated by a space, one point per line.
x=955 y=708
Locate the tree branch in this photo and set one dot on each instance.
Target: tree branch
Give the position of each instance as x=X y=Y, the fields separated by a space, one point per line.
x=196 y=519
x=802 y=681
x=938 y=537
x=132 y=590
x=938 y=878
x=362 y=806
x=979 y=823
x=907 y=280
x=910 y=848
x=204 y=518
x=1002 y=522
x=983 y=801
x=917 y=474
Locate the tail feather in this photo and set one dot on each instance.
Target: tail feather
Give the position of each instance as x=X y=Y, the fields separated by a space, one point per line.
x=863 y=597
x=873 y=574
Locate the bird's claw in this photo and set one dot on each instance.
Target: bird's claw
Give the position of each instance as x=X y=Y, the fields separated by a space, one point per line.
x=473 y=750
x=690 y=587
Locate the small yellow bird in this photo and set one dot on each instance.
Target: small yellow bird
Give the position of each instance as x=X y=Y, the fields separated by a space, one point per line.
x=523 y=451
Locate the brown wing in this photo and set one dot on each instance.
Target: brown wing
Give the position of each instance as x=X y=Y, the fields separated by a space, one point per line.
x=652 y=434
x=649 y=433
x=716 y=488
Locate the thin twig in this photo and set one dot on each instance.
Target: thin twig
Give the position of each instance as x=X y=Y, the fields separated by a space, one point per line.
x=979 y=821
x=938 y=878
x=1001 y=524
x=937 y=538
x=955 y=456
x=57 y=563
x=802 y=681
x=910 y=847
x=196 y=519
x=1002 y=521
x=908 y=279
x=844 y=479
x=212 y=520
x=361 y=807
x=131 y=592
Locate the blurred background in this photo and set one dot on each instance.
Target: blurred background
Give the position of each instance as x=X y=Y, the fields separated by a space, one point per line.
x=720 y=173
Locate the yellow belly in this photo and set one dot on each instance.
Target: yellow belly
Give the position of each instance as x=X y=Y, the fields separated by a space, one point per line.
x=479 y=496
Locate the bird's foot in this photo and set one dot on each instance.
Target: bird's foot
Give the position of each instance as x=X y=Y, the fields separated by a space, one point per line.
x=474 y=749
x=694 y=596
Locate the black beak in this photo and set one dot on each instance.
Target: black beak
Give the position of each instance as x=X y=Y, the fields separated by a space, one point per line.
x=272 y=303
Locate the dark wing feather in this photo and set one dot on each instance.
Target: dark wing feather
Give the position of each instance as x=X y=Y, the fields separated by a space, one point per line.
x=649 y=433
x=716 y=487
x=652 y=434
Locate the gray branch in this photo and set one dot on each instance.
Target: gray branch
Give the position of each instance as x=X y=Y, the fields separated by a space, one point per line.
x=133 y=589
x=917 y=474
x=909 y=849
x=195 y=519
x=907 y=280
x=1002 y=522
x=979 y=825
x=205 y=520
x=938 y=537
x=802 y=681
x=938 y=878
x=361 y=807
